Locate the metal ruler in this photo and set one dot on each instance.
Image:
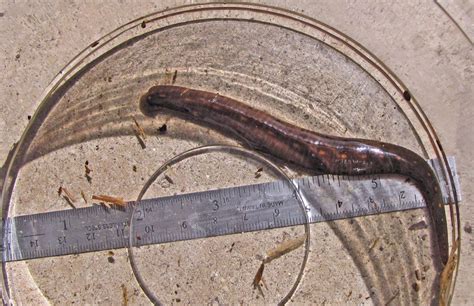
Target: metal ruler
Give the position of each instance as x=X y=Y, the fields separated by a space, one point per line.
x=206 y=214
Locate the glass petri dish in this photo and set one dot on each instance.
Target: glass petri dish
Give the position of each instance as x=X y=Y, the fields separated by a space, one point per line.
x=291 y=66
x=218 y=274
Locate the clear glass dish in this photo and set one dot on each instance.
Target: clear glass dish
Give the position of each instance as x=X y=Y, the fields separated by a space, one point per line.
x=289 y=65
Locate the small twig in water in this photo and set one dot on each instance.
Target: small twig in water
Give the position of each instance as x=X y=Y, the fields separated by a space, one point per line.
x=108 y=199
x=284 y=248
x=67 y=196
x=140 y=133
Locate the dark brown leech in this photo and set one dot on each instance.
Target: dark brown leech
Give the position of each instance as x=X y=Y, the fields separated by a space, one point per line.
x=317 y=152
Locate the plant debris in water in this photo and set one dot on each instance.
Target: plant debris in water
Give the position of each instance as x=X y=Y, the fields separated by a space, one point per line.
x=67 y=196
x=284 y=248
x=110 y=200
x=139 y=133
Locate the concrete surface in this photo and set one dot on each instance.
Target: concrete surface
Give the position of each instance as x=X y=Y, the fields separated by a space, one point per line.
x=418 y=41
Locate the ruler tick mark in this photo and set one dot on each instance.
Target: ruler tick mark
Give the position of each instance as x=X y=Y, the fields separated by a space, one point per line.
x=32 y=235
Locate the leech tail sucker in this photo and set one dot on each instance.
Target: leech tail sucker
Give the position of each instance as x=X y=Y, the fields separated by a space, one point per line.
x=305 y=148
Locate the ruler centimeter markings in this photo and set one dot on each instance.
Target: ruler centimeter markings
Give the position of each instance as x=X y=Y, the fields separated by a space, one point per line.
x=210 y=213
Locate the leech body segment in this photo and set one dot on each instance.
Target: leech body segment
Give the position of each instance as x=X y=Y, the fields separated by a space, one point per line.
x=314 y=151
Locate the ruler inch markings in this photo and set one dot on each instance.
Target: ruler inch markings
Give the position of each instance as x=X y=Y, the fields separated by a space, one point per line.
x=241 y=209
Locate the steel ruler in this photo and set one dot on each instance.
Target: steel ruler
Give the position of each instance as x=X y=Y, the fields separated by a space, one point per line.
x=209 y=213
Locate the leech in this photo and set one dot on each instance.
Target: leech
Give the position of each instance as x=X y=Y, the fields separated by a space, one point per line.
x=314 y=151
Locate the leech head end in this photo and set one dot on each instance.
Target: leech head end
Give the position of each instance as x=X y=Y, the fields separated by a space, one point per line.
x=162 y=97
x=147 y=105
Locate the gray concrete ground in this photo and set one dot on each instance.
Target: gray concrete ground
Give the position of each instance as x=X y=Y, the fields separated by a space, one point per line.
x=417 y=40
